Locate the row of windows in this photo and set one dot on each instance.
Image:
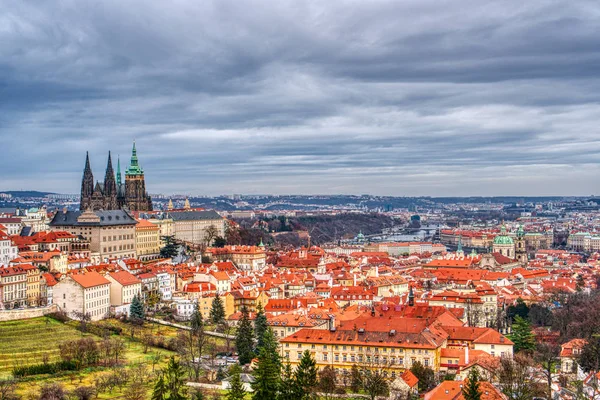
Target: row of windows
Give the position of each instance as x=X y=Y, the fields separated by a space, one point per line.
x=369 y=359
x=13 y=278
x=121 y=247
x=114 y=238
x=366 y=348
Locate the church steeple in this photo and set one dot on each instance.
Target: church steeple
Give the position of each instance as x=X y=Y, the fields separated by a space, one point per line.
x=134 y=167
x=110 y=186
x=118 y=172
x=87 y=184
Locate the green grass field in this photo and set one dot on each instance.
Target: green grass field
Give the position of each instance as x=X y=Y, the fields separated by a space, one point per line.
x=26 y=342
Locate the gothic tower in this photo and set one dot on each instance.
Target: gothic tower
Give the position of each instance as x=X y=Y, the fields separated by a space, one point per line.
x=110 y=187
x=87 y=185
x=136 y=197
x=120 y=187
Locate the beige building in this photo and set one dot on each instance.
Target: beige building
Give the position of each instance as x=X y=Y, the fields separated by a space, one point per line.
x=13 y=287
x=246 y=258
x=124 y=286
x=111 y=233
x=166 y=226
x=147 y=240
x=87 y=293
x=191 y=226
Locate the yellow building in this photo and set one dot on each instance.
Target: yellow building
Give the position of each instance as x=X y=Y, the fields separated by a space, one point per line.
x=235 y=300
x=34 y=278
x=165 y=224
x=147 y=240
x=393 y=345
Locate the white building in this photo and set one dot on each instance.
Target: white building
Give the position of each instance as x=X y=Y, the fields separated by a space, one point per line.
x=8 y=251
x=87 y=293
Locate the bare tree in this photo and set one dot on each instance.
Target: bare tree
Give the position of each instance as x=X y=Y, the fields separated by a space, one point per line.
x=515 y=377
x=7 y=389
x=210 y=234
x=83 y=392
x=547 y=356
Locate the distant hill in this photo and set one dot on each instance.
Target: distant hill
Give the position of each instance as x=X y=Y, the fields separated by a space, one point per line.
x=26 y=193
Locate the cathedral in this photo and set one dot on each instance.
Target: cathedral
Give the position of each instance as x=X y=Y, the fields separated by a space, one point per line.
x=114 y=194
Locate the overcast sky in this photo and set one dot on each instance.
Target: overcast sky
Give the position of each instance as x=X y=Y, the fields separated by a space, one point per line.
x=411 y=97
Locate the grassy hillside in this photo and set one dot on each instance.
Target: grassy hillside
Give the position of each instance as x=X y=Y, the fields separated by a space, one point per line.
x=27 y=342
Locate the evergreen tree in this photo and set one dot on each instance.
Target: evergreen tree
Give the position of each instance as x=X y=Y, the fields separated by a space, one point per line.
x=425 y=375
x=306 y=376
x=236 y=386
x=355 y=379
x=521 y=335
x=288 y=389
x=470 y=390
x=268 y=370
x=136 y=309
x=217 y=310
x=196 y=321
x=244 y=339
x=160 y=390
x=170 y=249
x=175 y=380
x=519 y=309
x=260 y=326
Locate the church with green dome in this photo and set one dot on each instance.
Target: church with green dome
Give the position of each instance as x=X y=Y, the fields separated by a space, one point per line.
x=504 y=244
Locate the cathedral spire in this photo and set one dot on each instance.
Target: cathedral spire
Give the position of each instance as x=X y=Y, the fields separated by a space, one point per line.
x=110 y=187
x=87 y=184
x=134 y=167
x=118 y=171
x=87 y=163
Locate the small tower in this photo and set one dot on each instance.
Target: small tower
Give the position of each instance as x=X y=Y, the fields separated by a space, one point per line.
x=186 y=205
x=170 y=206
x=459 y=249
x=520 y=248
x=411 y=297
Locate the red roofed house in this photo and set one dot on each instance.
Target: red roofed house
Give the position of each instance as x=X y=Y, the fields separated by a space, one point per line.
x=84 y=292
x=452 y=390
x=405 y=386
x=569 y=353
x=124 y=286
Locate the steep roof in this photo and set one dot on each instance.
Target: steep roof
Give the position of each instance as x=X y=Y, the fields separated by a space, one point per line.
x=194 y=215
x=106 y=218
x=89 y=279
x=124 y=278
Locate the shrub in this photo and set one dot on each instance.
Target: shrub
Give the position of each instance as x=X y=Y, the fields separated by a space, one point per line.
x=39 y=369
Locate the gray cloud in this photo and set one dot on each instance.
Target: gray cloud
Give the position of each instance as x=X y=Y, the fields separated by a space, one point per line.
x=422 y=97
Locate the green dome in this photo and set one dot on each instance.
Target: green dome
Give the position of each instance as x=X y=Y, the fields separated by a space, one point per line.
x=503 y=238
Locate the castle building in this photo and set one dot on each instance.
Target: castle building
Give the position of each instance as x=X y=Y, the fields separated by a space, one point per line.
x=114 y=194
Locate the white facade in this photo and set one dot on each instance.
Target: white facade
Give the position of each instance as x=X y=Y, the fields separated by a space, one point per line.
x=8 y=251
x=71 y=297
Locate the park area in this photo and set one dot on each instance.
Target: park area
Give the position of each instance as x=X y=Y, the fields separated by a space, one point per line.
x=38 y=341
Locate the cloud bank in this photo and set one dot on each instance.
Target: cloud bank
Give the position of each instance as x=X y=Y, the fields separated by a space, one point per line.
x=419 y=97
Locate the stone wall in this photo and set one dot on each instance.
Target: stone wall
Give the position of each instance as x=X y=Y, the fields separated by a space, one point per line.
x=26 y=313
